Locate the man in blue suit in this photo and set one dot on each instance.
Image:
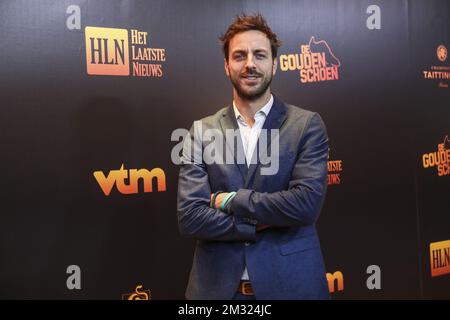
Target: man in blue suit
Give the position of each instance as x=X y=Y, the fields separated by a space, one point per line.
x=255 y=229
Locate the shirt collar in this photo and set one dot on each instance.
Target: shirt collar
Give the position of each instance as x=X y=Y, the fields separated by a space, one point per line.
x=264 y=110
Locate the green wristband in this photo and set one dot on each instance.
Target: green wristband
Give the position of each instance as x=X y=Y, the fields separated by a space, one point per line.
x=227 y=206
x=224 y=201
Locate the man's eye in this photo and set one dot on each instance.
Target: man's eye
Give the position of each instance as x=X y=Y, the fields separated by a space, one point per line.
x=260 y=56
x=239 y=57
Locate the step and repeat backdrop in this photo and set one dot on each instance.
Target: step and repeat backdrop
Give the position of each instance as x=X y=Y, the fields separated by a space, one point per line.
x=91 y=92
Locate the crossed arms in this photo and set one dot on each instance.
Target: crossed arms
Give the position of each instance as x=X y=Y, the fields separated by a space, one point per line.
x=249 y=210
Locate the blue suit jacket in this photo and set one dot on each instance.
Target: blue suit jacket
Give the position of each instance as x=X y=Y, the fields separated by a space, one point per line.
x=284 y=262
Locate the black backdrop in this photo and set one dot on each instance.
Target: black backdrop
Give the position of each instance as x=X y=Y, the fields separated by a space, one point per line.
x=59 y=125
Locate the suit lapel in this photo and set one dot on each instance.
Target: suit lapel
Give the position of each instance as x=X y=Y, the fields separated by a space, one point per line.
x=227 y=122
x=274 y=120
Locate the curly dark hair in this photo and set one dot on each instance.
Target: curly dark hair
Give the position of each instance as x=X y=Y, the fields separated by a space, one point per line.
x=246 y=22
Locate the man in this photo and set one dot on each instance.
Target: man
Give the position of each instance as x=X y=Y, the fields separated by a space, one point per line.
x=256 y=232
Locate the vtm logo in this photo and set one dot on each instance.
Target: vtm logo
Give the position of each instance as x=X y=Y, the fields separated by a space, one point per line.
x=335 y=280
x=315 y=63
x=439 y=159
x=440 y=258
x=107 y=51
x=118 y=178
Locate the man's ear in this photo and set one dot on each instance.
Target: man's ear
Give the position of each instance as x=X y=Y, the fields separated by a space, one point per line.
x=225 y=65
x=274 y=66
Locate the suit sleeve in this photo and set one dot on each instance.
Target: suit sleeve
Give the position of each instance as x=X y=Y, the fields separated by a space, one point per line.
x=196 y=219
x=302 y=202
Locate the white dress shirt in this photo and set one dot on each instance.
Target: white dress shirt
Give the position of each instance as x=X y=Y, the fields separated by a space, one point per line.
x=249 y=136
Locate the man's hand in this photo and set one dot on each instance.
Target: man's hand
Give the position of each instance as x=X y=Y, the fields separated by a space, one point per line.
x=218 y=202
x=219 y=199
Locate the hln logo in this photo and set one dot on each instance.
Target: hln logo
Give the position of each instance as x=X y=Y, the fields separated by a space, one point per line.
x=107 y=51
x=440 y=258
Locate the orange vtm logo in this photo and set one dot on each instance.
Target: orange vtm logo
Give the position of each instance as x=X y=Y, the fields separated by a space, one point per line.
x=334 y=279
x=440 y=258
x=107 y=51
x=138 y=294
x=118 y=178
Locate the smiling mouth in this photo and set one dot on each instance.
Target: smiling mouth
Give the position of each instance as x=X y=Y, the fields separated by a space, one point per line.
x=250 y=77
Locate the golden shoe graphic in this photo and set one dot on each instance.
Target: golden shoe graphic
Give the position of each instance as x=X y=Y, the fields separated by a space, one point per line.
x=138 y=294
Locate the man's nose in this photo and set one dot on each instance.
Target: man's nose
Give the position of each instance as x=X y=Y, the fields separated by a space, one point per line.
x=250 y=64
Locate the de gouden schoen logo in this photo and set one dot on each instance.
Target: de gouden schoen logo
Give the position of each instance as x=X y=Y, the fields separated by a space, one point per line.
x=439 y=159
x=108 y=52
x=316 y=62
x=440 y=258
x=138 y=294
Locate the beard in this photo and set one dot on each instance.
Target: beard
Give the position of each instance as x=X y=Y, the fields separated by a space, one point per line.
x=254 y=92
